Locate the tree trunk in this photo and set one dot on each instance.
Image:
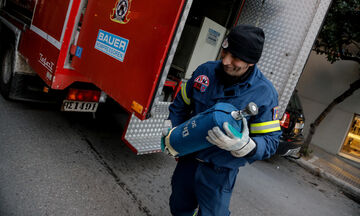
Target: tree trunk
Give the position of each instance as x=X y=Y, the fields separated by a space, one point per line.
x=353 y=87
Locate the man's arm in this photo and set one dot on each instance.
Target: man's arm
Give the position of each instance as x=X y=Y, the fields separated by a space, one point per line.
x=180 y=109
x=265 y=131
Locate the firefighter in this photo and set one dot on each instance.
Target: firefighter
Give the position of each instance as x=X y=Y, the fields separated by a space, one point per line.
x=203 y=181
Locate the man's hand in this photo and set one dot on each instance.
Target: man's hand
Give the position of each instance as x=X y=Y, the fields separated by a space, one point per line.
x=165 y=139
x=164 y=132
x=239 y=144
x=166 y=127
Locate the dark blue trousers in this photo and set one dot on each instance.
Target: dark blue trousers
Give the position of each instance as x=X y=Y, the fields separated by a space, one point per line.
x=197 y=184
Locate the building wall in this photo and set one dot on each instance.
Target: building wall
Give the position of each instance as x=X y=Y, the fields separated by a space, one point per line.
x=320 y=83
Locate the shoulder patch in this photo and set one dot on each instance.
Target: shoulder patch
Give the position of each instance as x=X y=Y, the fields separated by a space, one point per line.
x=201 y=83
x=275 y=111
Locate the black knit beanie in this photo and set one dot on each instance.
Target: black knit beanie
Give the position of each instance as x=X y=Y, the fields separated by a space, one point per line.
x=245 y=42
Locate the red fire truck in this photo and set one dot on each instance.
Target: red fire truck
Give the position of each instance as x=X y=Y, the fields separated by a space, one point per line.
x=138 y=52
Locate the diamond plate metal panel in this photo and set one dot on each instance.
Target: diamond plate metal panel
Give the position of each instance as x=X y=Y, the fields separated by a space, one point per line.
x=290 y=28
x=145 y=135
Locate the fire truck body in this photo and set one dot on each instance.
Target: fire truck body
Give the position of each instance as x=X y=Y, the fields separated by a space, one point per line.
x=41 y=40
x=137 y=52
x=61 y=45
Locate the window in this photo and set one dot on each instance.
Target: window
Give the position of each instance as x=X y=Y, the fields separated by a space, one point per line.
x=351 y=146
x=21 y=9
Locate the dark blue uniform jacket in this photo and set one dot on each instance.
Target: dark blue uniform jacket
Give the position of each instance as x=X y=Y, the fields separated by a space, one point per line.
x=204 y=89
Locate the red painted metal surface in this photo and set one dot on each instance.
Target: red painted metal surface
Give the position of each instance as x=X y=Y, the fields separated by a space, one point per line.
x=65 y=77
x=175 y=84
x=149 y=28
x=46 y=59
x=50 y=15
x=42 y=56
x=41 y=53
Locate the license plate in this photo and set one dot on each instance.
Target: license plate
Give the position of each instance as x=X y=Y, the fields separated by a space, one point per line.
x=79 y=106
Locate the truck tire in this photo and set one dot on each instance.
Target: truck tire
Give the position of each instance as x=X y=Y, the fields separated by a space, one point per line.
x=6 y=70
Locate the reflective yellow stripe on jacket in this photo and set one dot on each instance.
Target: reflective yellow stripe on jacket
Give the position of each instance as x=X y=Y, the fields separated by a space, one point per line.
x=183 y=94
x=265 y=127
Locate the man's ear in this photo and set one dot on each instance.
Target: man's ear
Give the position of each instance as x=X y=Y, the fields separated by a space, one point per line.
x=250 y=65
x=222 y=51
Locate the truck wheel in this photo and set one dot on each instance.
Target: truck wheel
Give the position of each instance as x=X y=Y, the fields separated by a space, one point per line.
x=6 y=71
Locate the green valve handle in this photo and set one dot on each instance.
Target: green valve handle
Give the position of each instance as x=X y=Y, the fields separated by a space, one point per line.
x=235 y=132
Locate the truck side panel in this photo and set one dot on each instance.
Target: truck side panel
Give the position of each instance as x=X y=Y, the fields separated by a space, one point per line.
x=45 y=44
x=41 y=55
x=50 y=16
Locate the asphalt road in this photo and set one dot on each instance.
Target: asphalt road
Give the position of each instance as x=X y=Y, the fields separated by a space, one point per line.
x=54 y=163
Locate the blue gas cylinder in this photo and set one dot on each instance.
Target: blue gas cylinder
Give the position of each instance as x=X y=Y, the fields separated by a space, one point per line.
x=190 y=136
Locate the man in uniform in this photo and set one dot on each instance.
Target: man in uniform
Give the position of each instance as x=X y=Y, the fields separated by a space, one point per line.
x=205 y=179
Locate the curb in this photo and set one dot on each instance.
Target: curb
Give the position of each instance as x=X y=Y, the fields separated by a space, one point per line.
x=348 y=189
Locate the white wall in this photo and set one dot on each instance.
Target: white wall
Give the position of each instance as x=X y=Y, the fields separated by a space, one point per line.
x=320 y=83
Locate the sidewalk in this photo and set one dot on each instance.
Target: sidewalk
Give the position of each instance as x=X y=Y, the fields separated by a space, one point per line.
x=338 y=170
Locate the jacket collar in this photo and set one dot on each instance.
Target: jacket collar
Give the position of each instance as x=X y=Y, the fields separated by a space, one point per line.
x=253 y=76
x=250 y=80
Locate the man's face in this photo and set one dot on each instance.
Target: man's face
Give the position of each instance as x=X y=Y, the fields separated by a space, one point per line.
x=232 y=65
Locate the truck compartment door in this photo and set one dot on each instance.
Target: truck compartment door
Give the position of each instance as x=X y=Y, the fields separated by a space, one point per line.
x=123 y=45
x=41 y=44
